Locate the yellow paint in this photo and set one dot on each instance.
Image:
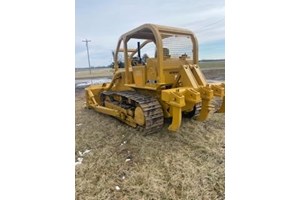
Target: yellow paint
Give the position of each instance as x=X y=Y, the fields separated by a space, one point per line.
x=177 y=83
x=139 y=116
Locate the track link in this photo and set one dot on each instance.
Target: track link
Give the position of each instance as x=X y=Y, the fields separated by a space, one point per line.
x=151 y=107
x=195 y=112
x=197 y=109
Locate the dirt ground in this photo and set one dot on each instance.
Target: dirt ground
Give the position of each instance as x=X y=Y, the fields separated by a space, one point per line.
x=123 y=164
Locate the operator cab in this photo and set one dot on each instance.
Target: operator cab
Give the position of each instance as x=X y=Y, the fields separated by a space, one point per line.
x=153 y=58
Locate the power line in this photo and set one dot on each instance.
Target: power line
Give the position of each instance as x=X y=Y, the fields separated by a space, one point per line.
x=87 y=50
x=216 y=22
x=209 y=26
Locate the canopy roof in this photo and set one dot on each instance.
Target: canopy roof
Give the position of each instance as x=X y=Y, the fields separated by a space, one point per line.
x=148 y=31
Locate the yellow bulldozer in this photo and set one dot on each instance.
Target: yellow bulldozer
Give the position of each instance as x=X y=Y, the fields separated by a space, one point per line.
x=166 y=82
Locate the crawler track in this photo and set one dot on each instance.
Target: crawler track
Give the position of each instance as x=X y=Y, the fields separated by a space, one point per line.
x=197 y=109
x=194 y=112
x=130 y=100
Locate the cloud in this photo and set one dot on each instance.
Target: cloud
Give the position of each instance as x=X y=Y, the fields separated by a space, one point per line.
x=103 y=22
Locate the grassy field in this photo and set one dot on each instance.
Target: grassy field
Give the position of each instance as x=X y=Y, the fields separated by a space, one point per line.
x=123 y=164
x=107 y=72
x=212 y=65
x=95 y=73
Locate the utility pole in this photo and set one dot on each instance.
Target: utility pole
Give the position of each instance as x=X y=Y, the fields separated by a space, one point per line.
x=87 y=49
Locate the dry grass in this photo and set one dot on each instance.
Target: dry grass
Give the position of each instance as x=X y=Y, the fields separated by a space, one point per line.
x=186 y=165
x=95 y=73
x=212 y=65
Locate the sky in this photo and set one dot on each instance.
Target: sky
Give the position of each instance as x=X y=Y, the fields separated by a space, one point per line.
x=103 y=22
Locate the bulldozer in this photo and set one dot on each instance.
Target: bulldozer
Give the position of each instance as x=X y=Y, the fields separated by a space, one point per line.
x=166 y=82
